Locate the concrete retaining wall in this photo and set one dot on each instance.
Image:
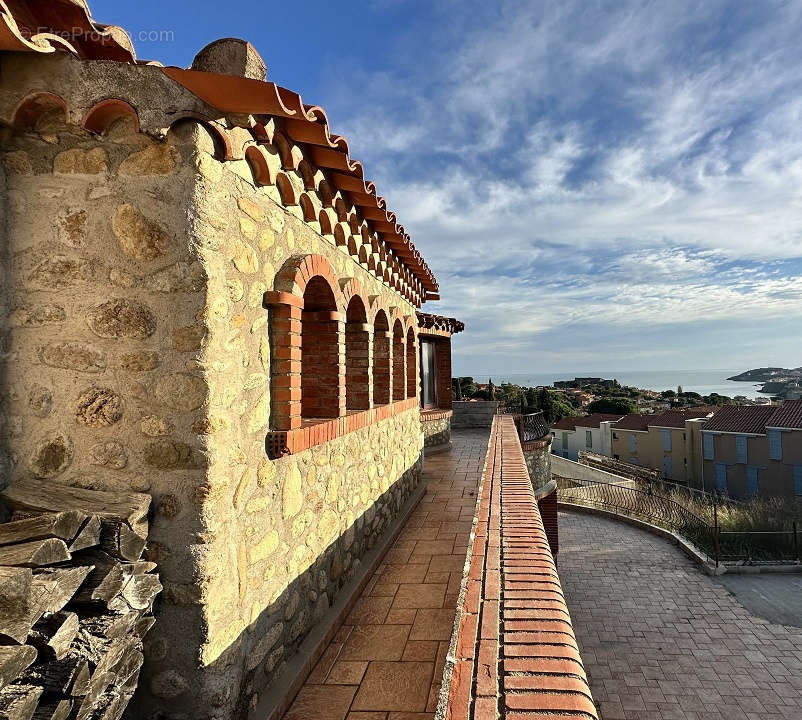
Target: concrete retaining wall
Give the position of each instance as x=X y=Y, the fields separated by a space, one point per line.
x=474 y=414
x=562 y=467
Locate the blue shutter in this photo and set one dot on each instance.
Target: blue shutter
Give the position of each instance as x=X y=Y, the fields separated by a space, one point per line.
x=633 y=443
x=751 y=481
x=798 y=480
x=740 y=449
x=709 y=452
x=721 y=477
x=668 y=466
x=667 y=440
x=565 y=441
x=775 y=445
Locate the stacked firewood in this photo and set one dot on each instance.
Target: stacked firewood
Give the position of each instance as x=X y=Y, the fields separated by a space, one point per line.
x=75 y=601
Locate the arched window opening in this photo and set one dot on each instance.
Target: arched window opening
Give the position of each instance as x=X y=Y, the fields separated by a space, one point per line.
x=357 y=356
x=381 y=359
x=412 y=385
x=399 y=354
x=320 y=356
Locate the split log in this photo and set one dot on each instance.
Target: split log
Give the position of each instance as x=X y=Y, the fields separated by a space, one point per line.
x=14 y=659
x=30 y=495
x=59 y=710
x=18 y=702
x=63 y=526
x=19 y=610
x=143 y=625
x=34 y=554
x=140 y=591
x=110 y=626
x=104 y=582
x=66 y=677
x=89 y=535
x=61 y=584
x=54 y=633
x=120 y=541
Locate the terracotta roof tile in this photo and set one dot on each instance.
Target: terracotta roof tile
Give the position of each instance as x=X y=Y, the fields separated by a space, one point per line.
x=677 y=418
x=450 y=325
x=634 y=422
x=584 y=421
x=751 y=419
x=70 y=27
x=788 y=415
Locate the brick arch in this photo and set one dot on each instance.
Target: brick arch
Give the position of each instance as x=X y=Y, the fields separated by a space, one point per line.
x=296 y=273
x=411 y=340
x=33 y=107
x=222 y=142
x=260 y=168
x=103 y=114
x=354 y=288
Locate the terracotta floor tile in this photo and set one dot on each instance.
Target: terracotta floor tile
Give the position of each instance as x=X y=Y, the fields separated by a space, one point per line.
x=404 y=573
x=321 y=701
x=420 y=595
x=421 y=650
x=395 y=686
x=375 y=642
x=369 y=611
x=400 y=616
x=433 y=624
x=395 y=652
x=447 y=563
x=346 y=673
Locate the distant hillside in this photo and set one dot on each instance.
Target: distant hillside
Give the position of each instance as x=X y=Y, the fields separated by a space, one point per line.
x=768 y=374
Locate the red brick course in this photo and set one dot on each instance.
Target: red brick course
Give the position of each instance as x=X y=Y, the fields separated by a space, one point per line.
x=516 y=649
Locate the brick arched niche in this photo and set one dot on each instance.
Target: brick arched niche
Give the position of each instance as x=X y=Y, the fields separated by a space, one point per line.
x=381 y=359
x=320 y=352
x=357 y=356
x=399 y=356
x=412 y=357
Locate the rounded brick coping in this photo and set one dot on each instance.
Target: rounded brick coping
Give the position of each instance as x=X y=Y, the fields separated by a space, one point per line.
x=515 y=647
x=435 y=414
x=317 y=432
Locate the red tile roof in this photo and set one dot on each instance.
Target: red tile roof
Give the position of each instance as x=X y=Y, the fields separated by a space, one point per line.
x=584 y=421
x=677 y=418
x=445 y=325
x=750 y=419
x=788 y=415
x=69 y=26
x=634 y=422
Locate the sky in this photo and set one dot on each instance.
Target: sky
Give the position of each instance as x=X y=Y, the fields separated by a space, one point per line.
x=596 y=184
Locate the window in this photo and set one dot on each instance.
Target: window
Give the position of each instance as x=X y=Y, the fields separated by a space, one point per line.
x=740 y=449
x=708 y=449
x=615 y=436
x=666 y=440
x=428 y=374
x=668 y=466
x=775 y=445
x=357 y=356
x=381 y=359
x=399 y=354
x=798 y=481
x=588 y=439
x=751 y=481
x=721 y=478
x=633 y=443
x=565 y=441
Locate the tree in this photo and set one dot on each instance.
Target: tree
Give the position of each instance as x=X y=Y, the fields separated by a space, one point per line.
x=679 y=389
x=457 y=387
x=491 y=390
x=614 y=406
x=667 y=394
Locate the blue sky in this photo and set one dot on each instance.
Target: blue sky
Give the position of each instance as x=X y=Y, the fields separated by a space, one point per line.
x=597 y=184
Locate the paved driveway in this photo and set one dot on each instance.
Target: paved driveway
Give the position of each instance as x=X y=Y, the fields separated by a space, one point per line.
x=662 y=641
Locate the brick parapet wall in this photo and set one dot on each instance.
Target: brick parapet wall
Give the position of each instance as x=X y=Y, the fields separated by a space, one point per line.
x=516 y=653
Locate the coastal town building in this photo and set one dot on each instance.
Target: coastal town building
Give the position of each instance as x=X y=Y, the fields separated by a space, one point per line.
x=573 y=435
x=669 y=441
x=208 y=307
x=754 y=451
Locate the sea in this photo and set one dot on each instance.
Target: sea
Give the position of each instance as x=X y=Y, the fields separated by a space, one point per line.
x=703 y=382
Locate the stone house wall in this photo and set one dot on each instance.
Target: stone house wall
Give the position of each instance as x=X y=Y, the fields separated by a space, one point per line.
x=436 y=432
x=138 y=354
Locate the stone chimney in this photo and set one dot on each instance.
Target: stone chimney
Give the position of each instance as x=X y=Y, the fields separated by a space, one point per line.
x=231 y=56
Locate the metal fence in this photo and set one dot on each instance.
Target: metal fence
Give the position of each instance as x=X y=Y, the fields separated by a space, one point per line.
x=533 y=427
x=649 y=505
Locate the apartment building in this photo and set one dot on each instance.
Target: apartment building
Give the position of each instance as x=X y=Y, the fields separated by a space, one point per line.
x=751 y=451
x=591 y=432
x=669 y=441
